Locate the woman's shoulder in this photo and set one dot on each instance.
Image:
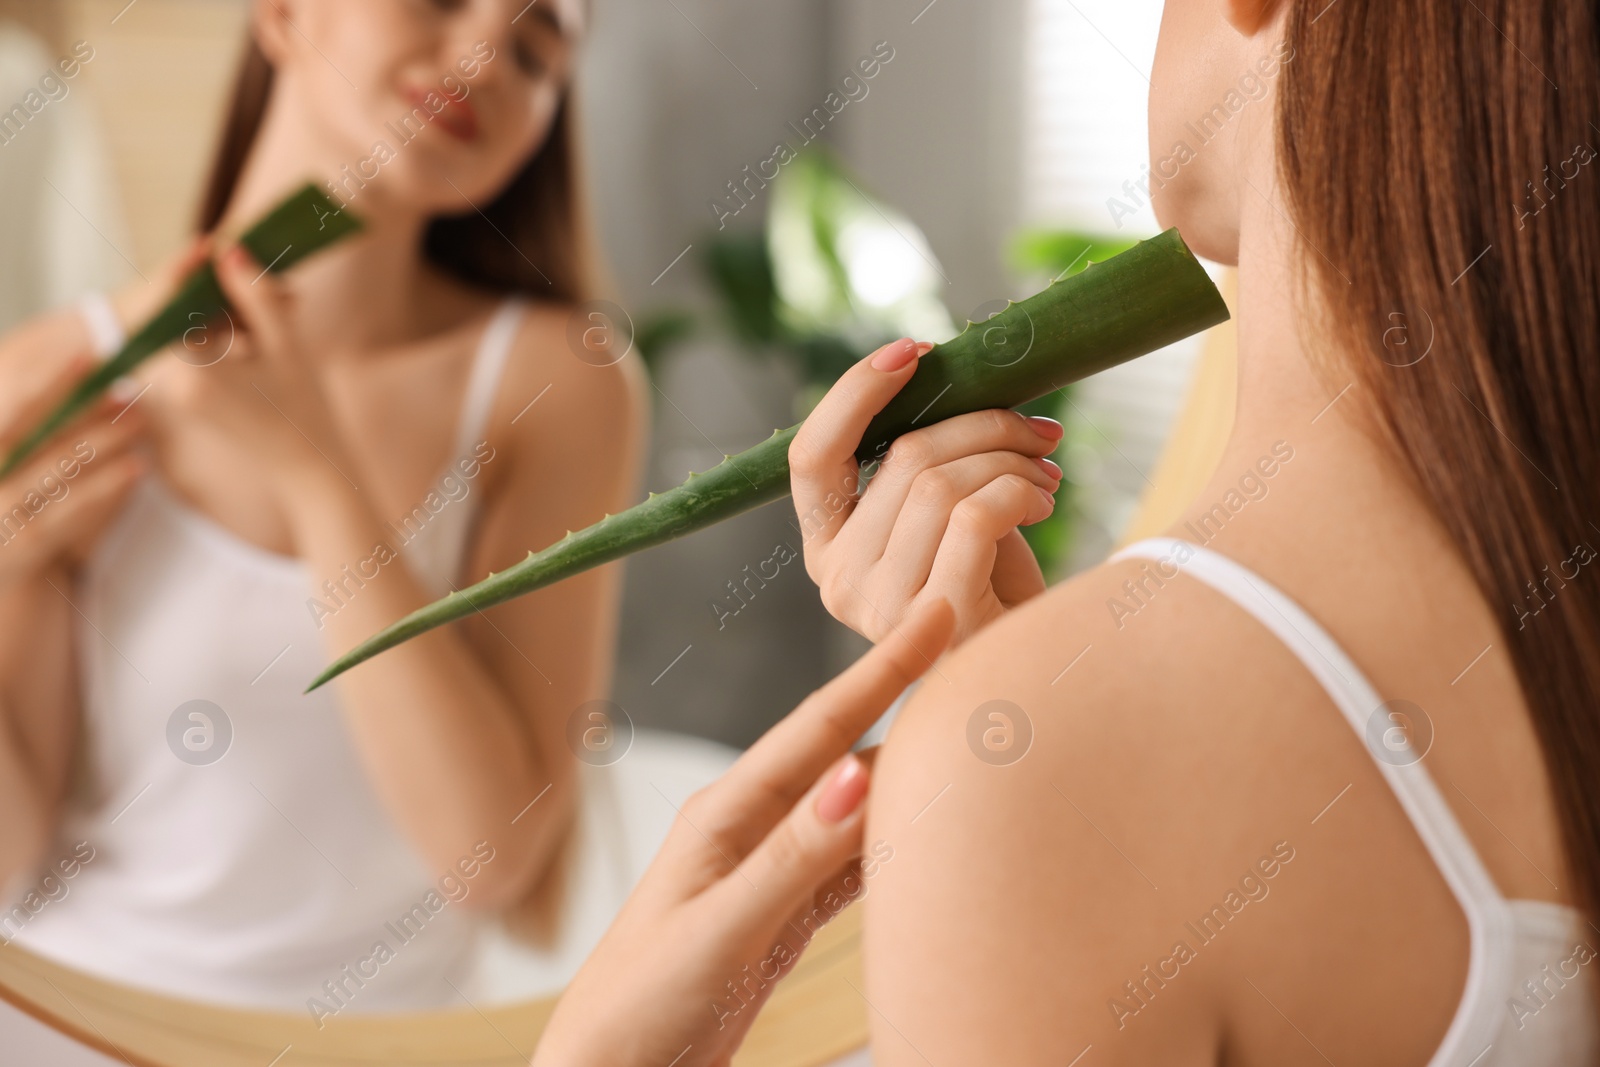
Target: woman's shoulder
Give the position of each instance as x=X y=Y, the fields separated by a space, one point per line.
x=557 y=400
x=1109 y=777
x=581 y=359
x=1138 y=708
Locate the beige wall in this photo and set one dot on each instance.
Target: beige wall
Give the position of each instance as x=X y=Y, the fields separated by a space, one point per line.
x=159 y=80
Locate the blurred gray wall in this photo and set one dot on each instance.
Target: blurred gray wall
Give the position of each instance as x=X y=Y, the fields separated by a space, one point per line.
x=679 y=96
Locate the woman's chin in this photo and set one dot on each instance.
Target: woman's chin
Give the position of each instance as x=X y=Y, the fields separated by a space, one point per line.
x=1209 y=229
x=401 y=185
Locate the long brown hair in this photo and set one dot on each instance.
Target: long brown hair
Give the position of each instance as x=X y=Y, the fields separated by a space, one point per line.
x=533 y=238
x=1427 y=149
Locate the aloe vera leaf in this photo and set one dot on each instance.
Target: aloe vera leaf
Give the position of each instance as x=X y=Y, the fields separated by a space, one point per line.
x=304 y=223
x=1143 y=299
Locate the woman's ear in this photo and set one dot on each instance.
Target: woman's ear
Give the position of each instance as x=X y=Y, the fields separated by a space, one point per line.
x=272 y=22
x=1248 y=16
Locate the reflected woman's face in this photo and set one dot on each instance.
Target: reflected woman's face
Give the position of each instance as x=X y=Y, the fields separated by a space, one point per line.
x=445 y=99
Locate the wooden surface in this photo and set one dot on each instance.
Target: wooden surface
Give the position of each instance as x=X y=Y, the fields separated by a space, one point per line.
x=814 y=1017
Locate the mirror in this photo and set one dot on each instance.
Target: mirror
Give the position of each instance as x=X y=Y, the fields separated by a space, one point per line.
x=235 y=876
x=106 y=159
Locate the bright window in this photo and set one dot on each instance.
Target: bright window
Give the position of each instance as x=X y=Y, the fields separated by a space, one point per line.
x=1086 y=94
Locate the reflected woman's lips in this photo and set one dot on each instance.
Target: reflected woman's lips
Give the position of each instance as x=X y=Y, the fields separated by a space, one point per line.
x=458 y=117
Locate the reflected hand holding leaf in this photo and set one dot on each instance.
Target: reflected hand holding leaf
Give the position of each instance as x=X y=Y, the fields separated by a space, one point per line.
x=56 y=503
x=259 y=386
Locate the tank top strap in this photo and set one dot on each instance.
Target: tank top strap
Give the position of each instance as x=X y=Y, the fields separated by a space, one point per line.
x=1489 y=916
x=488 y=366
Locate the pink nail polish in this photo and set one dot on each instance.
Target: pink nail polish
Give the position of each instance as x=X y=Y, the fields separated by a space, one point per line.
x=896 y=355
x=1049 y=468
x=1049 y=429
x=923 y=348
x=844 y=793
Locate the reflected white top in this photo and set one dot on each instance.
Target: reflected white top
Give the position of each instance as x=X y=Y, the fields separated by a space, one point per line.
x=259 y=877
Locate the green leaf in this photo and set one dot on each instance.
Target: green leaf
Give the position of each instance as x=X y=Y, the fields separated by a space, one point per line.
x=304 y=223
x=1148 y=297
x=662 y=331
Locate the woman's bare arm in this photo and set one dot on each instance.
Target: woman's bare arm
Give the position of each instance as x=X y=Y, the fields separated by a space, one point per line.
x=38 y=716
x=52 y=509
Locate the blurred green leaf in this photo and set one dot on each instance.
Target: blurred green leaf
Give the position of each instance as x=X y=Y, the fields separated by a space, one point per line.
x=740 y=273
x=654 y=335
x=1061 y=253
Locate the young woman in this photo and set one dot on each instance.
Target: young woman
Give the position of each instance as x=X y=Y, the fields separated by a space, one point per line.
x=1312 y=780
x=401 y=415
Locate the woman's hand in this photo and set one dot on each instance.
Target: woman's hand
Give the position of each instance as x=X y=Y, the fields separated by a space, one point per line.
x=55 y=505
x=940 y=516
x=748 y=858
x=262 y=390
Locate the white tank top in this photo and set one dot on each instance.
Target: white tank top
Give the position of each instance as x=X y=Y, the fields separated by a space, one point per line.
x=260 y=877
x=1529 y=996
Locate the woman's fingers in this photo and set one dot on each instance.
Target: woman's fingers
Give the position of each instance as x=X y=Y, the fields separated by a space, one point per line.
x=914 y=455
x=92 y=502
x=62 y=498
x=964 y=565
x=107 y=432
x=1017 y=576
x=258 y=298
x=32 y=407
x=797 y=856
x=180 y=266
x=994 y=430
x=778 y=769
x=924 y=518
x=822 y=464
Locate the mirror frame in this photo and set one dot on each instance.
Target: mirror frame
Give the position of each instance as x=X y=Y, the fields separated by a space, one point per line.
x=813 y=1018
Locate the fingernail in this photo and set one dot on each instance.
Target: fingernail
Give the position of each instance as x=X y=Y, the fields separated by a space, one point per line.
x=844 y=793
x=123 y=390
x=1049 y=429
x=1049 y=468
x=1049 y=505
x=923 y=348
x=896 y=355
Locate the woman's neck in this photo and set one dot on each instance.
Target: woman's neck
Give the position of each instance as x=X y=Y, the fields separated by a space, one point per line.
x=363 y=293
x=1296 y=398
